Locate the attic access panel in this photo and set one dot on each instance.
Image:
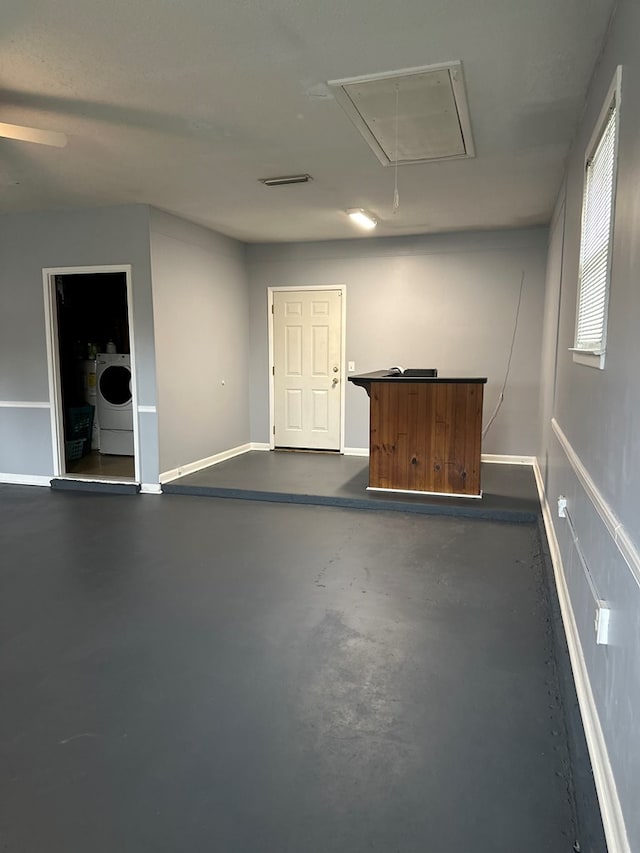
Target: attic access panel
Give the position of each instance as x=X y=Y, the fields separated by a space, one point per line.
x=433 y=115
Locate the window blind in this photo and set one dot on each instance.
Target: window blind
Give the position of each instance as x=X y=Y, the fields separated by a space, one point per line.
x=597 y=215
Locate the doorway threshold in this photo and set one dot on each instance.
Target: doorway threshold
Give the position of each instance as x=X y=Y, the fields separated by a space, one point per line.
x=114 y=487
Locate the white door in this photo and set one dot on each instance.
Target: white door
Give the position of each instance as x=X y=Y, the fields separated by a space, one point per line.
x=307 y=336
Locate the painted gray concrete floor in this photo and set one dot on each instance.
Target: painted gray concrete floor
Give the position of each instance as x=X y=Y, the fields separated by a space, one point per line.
x=181 y=674
x=509 y=491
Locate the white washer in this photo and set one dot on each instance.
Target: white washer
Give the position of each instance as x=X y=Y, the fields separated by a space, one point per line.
x=114 y=403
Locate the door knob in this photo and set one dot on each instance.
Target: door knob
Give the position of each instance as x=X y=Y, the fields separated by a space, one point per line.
x=336 y=368
x=335 y=381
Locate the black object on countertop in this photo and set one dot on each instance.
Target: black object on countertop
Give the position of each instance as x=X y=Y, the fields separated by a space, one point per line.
x=412 y=374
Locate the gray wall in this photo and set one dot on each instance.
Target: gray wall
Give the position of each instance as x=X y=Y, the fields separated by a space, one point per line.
x=599 y=412
x=445 y=301
x=201 y=314
x=28 y=243
x=550 y=332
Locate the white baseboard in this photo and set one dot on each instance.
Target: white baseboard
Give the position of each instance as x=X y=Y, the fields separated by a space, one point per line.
x=150 y=489
x=25 y=479
x=192 y=467
x=498 y=458
x=610 y=808
x=259 y=445
x=504 y=459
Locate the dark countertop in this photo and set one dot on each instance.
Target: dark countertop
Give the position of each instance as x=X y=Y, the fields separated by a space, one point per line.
x=364 y=379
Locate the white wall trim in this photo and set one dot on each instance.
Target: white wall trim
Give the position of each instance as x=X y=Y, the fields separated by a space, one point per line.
x=53 y=358
x=24 y=404
x=610 y=808
x=616 y=529
x=496 y=458
x=198 y=465
x=86 y=269
x=356 y=451
x=25 y=480
x=55 y=393
x=150 y=489
x=147 y=409
x=504 y=459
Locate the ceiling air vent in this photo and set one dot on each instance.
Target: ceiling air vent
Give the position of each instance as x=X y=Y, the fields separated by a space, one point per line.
x=424 y=109
x=283 y=180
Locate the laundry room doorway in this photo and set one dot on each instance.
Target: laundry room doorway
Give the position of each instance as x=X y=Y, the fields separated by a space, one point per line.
x=92 y=373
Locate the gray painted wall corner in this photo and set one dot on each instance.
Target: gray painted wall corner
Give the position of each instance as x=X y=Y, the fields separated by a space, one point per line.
x=201 y=316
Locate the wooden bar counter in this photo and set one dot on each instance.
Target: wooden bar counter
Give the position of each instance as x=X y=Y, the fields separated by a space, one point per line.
x=425 y=432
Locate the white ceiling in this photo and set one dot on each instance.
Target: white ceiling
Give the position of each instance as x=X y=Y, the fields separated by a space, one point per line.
x=185 y=104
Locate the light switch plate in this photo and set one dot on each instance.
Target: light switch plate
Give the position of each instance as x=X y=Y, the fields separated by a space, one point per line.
x=602 y=623
x=352 y=367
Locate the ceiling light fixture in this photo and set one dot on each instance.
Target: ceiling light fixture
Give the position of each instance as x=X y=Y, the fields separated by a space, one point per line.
x=283 y=180
x=32 y=134
x=362 y=218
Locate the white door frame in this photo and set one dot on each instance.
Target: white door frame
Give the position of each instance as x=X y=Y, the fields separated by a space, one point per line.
x=342 y=288
x=53 y=362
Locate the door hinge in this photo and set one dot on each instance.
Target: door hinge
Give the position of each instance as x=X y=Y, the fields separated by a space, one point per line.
x=273 y=370
x=274 y=429
x=272 y=308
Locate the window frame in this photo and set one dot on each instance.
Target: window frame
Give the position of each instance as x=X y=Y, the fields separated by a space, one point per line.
x=592 y=358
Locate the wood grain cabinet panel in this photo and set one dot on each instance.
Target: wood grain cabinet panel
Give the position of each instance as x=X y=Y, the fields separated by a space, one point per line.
x=425 y=436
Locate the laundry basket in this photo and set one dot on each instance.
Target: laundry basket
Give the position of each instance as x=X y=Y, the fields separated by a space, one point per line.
x=74 y=449
x=78 y=432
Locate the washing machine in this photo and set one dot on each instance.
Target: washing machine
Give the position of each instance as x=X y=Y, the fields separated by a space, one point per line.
x=114 y=403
